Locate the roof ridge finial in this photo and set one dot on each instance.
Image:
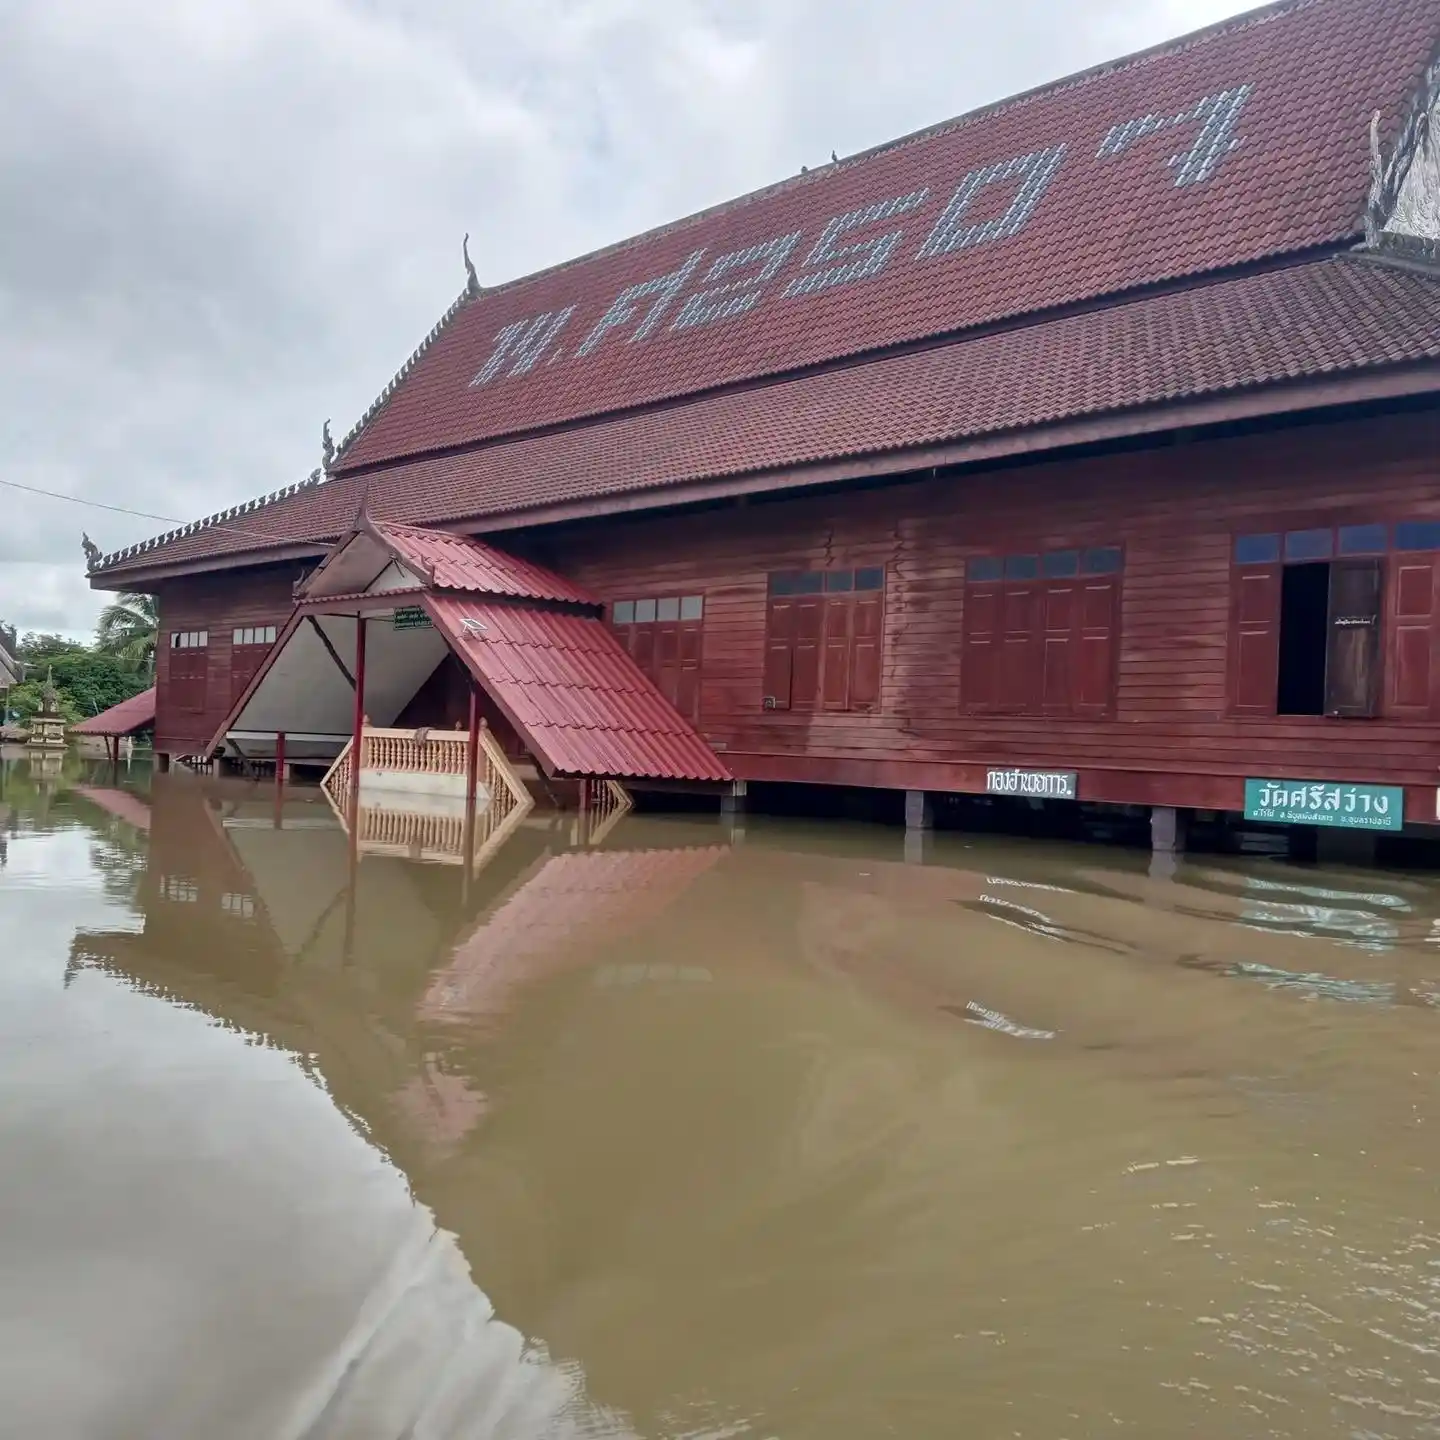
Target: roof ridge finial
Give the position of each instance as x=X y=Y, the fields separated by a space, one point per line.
x=327 y=448
x=473 y=287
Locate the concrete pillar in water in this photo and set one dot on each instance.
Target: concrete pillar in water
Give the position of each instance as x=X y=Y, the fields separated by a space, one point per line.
x=919 y=826
x=919 y=814
x=733 y=801
x=1168 y=825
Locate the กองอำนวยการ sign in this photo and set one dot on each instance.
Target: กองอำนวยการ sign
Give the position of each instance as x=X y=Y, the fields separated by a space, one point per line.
x=1323 y=802
x=1039 y=784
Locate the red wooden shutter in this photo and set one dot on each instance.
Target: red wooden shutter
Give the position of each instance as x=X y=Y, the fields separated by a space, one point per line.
x=1255 y=639
x=188 y=669
x=1093 y=663
x=1020 y=649
x=835 y=682
x=1352 y=648
x=779 y=654
x=1057 y=658
x=687 y=697
x=1412 y=635
x=667 y=660
x=866 y=631
x=643 y=649
x=980 y=665
x=805 y=667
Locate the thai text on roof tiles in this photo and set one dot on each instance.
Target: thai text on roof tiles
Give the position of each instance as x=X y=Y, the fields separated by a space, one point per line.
x=1240 y=143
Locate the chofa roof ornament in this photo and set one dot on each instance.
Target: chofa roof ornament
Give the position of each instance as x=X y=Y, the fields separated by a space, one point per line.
x=327 y=448
x=473 y=286
x=92 y=552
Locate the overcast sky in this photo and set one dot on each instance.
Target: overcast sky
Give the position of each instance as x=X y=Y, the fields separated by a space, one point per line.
x=225 y=220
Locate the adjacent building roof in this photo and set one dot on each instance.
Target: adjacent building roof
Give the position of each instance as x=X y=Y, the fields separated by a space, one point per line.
x=136 y=713
x=1145 y=233
x=573 y=692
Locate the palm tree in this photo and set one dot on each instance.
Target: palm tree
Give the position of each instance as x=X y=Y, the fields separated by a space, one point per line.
x=127 y=631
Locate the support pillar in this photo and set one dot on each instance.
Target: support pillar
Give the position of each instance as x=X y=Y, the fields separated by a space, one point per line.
x=1168 y=828
x=919 y=813
x=357 y=738
x=282 y=770
x=733 y=801
x=919 y=826
x=162 y=761
x=472 y=777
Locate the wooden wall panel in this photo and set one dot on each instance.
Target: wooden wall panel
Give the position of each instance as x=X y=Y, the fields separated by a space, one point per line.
x=219 y=603
x=1174 y=509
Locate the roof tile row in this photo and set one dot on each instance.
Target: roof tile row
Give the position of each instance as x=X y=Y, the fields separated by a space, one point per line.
x=1324 y=317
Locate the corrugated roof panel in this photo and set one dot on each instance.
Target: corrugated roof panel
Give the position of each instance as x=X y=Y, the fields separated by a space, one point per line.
x=574 y=692
x=457 y=562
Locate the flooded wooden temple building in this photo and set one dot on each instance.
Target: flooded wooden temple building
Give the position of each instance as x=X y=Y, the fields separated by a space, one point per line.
x=1084 y=447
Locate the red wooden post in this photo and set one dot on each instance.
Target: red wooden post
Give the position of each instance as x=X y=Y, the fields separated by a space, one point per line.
x=472 y=775
x=357 y=739
x=280 y=780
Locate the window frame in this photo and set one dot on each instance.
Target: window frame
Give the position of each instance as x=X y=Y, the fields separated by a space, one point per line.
x=1016 y=640
x=824 y=647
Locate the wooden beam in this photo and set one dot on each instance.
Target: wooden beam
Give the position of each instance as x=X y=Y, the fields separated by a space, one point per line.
x=334 y=653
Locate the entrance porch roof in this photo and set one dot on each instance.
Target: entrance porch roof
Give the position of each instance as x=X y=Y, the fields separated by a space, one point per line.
x=533 y=641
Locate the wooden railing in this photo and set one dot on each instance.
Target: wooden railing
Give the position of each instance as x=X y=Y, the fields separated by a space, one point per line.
x=431 y=752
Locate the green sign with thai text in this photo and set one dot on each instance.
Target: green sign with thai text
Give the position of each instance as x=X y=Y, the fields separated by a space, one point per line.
x=1321 y=802
x=411 y=617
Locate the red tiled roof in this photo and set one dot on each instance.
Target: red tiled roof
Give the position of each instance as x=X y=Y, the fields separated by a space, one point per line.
x=454 y=562
x=1246 y=141
x=122 y=719
x=1321 y=318
x=573 y=692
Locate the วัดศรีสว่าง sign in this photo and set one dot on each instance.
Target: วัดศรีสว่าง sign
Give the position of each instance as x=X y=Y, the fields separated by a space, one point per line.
x=1317 y=802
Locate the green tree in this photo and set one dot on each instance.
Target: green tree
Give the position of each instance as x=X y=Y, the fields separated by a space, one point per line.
x=87 y=682
x=127 y=632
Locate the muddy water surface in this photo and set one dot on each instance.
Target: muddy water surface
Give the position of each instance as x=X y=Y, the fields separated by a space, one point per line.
x=699 y=1134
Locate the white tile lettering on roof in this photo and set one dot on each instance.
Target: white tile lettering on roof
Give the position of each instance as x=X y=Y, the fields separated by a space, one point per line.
x=705 y=306
x=1217 y=115
x=862 y=259
x=523 y=343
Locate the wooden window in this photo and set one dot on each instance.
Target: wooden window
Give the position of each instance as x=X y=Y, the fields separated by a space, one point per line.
x=1040 y=632
x=189 y=666
x=1340 y=621
x=663 y=635
x=824 y=638
x=249 y=646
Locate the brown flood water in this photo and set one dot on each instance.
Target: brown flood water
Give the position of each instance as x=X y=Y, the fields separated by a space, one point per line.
x=695 y=1135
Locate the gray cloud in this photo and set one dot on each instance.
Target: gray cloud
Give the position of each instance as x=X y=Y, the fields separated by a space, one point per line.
x=225 y=222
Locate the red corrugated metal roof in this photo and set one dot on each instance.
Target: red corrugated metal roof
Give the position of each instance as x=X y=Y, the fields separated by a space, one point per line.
x=120 y=803
x=1240 y=143
x=1323 y=318
x=554 y=920
x=122 y=719
x=455 y=562
x=573 y=692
